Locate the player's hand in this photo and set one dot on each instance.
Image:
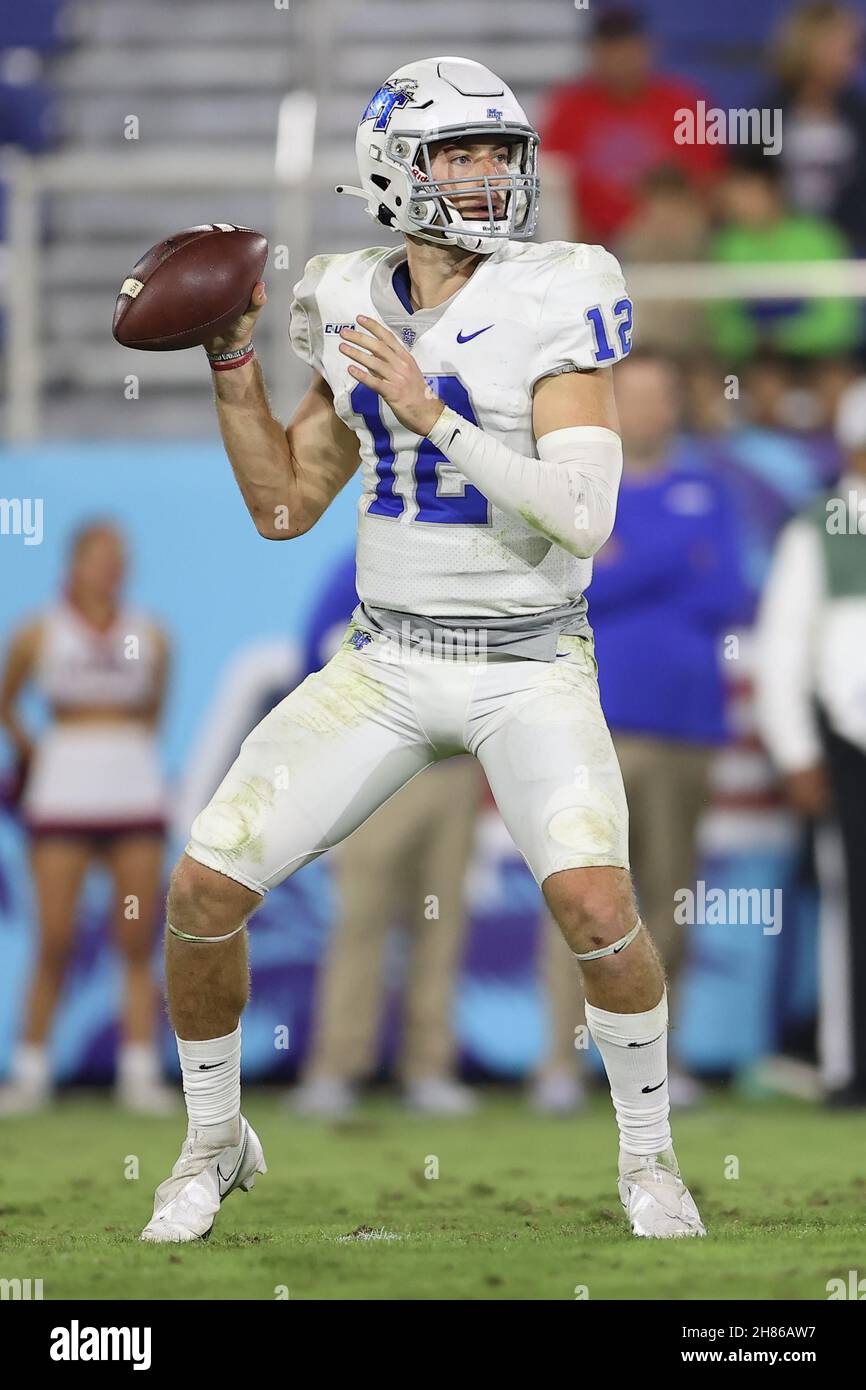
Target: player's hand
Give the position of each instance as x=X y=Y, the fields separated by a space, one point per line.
x=808 y=791
x=392 y=372
x=241 y=331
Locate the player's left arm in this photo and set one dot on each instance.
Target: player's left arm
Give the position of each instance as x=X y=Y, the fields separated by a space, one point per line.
x=572 y=399
x=568 y=492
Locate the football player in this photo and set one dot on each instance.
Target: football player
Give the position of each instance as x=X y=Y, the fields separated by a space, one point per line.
x=466 y=372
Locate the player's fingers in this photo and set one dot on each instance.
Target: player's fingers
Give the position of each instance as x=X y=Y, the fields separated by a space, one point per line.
x=361 y=355
x=258 y=299
x=366 y=340
x=384 y=335
x=371 y=379
x=374 y=370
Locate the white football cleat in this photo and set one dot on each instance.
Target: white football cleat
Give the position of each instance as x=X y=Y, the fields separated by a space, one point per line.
x=655 y=1198
x=684 y=1090
x=23 y=1097
x=325 y=1097
x=440 y=1095
x=213 y=1162
x=148 y=1097
x=559 y=1092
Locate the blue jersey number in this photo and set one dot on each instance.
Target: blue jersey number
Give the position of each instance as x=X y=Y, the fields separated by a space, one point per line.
x=468 y=508
x=623 y=315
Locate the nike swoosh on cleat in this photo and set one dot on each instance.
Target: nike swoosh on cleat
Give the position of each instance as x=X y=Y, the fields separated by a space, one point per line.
x=228 y=1180
x=646 y=1044
x=645 y=1090
x=467 y=337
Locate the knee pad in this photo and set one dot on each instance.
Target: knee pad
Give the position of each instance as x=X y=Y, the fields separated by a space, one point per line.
x=615 y=946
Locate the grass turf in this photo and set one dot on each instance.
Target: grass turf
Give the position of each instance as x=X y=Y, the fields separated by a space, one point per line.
x=523 y=1207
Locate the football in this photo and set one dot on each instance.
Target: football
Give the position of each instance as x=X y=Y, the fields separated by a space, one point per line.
x=189 y=288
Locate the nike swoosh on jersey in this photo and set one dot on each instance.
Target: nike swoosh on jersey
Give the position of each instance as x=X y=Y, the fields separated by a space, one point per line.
x=467 y=338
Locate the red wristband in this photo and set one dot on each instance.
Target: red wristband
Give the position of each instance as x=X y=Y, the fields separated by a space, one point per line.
x=226 y=361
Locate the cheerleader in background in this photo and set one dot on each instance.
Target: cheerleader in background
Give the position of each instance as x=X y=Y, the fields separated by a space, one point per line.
x=92 y=792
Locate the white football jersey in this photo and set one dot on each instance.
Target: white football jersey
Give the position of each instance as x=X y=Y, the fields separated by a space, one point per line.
x=428 y=541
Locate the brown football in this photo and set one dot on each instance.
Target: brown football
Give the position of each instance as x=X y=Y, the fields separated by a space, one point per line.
x=189 y=288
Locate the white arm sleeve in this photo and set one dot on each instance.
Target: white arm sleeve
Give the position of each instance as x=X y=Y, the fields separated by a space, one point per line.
x=568 y=493
x=785 y=650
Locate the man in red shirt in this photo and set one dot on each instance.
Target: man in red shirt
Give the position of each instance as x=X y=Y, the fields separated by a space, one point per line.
x=616 y=126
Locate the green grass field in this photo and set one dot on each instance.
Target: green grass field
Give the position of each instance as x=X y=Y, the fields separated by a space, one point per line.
x=523 y=1208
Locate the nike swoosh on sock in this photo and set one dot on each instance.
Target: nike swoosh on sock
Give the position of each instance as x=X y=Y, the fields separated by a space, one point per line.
x=647 y=1044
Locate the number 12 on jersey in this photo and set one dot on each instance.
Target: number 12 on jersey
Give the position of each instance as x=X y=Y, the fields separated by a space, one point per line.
x=468 y=508
x=623 y=316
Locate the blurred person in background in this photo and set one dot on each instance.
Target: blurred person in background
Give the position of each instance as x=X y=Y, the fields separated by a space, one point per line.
x=761 y=229
x=752 y=422
x=407 y=863
x=814 y=58
x=758 y=400
x=705 y=408
x=666 y=588
x=768 y=381
x=670 y=227
x=830 y=378
x=811 y=702
x=608 y=131
x=93 y=793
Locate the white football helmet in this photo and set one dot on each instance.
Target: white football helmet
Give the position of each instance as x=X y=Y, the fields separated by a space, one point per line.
x=436 y=99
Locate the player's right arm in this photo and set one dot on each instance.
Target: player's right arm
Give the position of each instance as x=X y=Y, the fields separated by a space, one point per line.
x=287 y=476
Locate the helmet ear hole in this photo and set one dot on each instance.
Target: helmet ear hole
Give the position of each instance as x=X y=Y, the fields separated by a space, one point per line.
x=385 y=216
x=381 y=182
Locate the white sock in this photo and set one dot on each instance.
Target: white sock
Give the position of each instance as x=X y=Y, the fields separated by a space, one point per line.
x=211 y=1079
x=137 y=1064
x=633 y=1048
x=31 y=1066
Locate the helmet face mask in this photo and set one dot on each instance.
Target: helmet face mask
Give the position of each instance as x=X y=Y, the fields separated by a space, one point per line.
x=511 y=197
x=447 y=101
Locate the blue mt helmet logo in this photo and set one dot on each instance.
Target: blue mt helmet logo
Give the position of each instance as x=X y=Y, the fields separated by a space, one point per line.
x=390 y=98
